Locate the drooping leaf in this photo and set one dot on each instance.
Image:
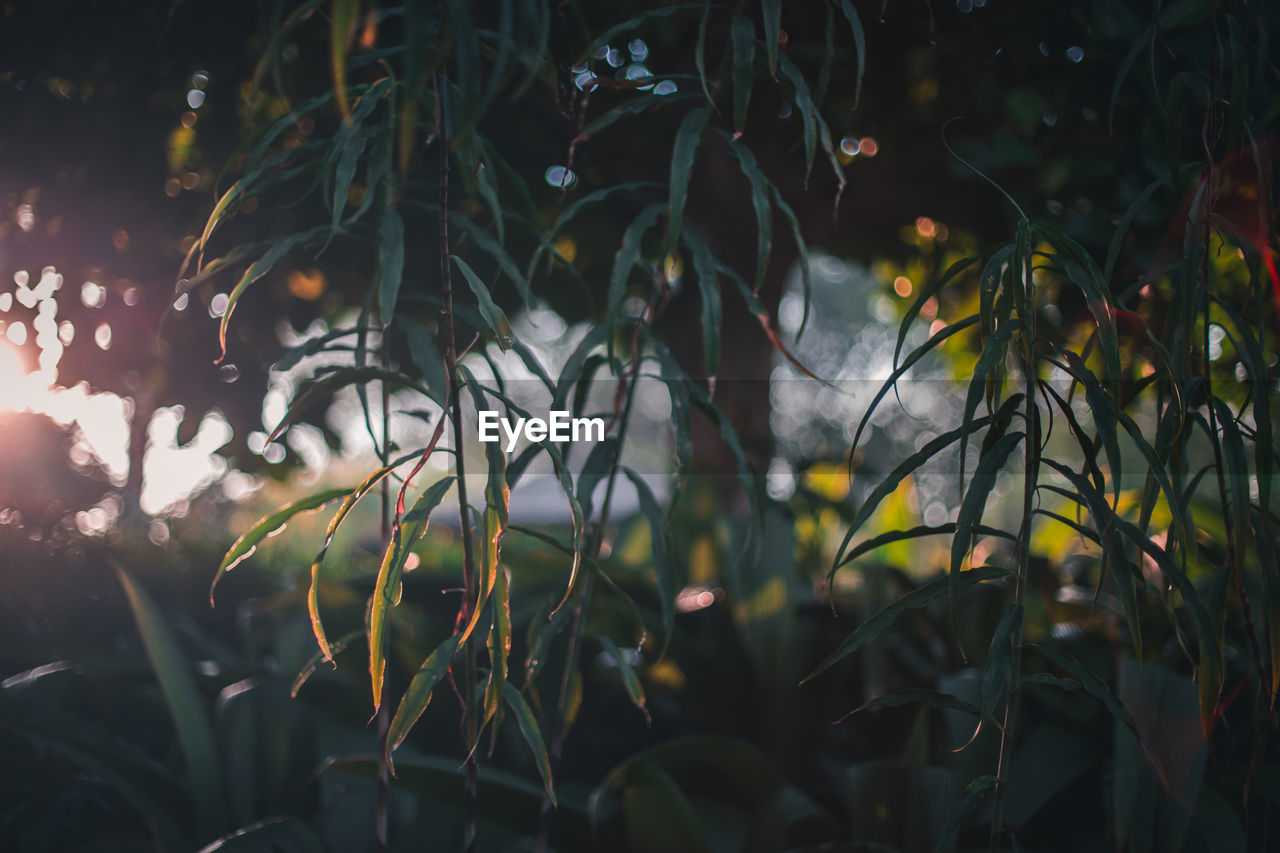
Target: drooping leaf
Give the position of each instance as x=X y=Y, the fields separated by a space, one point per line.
x=700 y=53
x=859 y=43
x=427 y=358
x=624 y=262
x=390 y=261
x=905 y=468
x=815 y=126
x=887 y=615
x=660 y=538
x=973 y=794
x=633 y=107
x=386 y=590
x=682 y=156
x=760 y=204
x=596 y=470
x=635 y=691
x=1105 y=522
x=494 y=316
x=257 y=270
x=772 y=10
x=418 y=695
x=891 y=536
x=998 y=676
x=914 y=695
x=972 y=507
x=681 y=416
x=497 y=496
x=498 y=644
x=313 y=662
x=325 y=387
x=267 y=526
x=1098 y=689
x=704 y=266
x=349 y=502
x=532 y=735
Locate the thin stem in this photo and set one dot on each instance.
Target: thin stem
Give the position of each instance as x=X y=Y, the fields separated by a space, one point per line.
x=582 y=598
x=382 y=812
x=468 y=561
x=1030 y=471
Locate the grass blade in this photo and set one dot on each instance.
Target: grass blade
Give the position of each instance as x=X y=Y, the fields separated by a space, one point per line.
x=186 y=706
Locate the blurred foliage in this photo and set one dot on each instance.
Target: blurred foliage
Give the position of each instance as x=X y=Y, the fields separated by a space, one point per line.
x=1086 y=660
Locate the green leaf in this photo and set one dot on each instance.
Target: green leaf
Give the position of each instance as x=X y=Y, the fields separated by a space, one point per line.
x=971 y=509
x=1105 y=522
x=682 y=156
x=1084 y=273
x=918 y=353
x=498 y=644
x=908 y=466
x=681 y=417
x=1097 y=688
x=700 y=53
x=772 y=10
x=998 y=675
x=815 y=126
x=268 y=525
x=859 y=43
x=427 y=358
x=994 y=350
x=624 y=261
x=490 y=246
x=493 y=315
x=704 y=265
x=802 y=252
x=743 y=32
x=973 y=794
x=532 y=735
x=313 y=663
x=260 y=267
x=914 y=695
x=660 y=538
x=390 y=261
x=325 y=387
x=597 y=469
x=892 y=536
x=887 y=615
x=760 y=204
x=629 y=679
x=418 y=695
x=386 y=590
x=633 y=107
x=497 y=496
x=352 y=498
x=185 y=704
